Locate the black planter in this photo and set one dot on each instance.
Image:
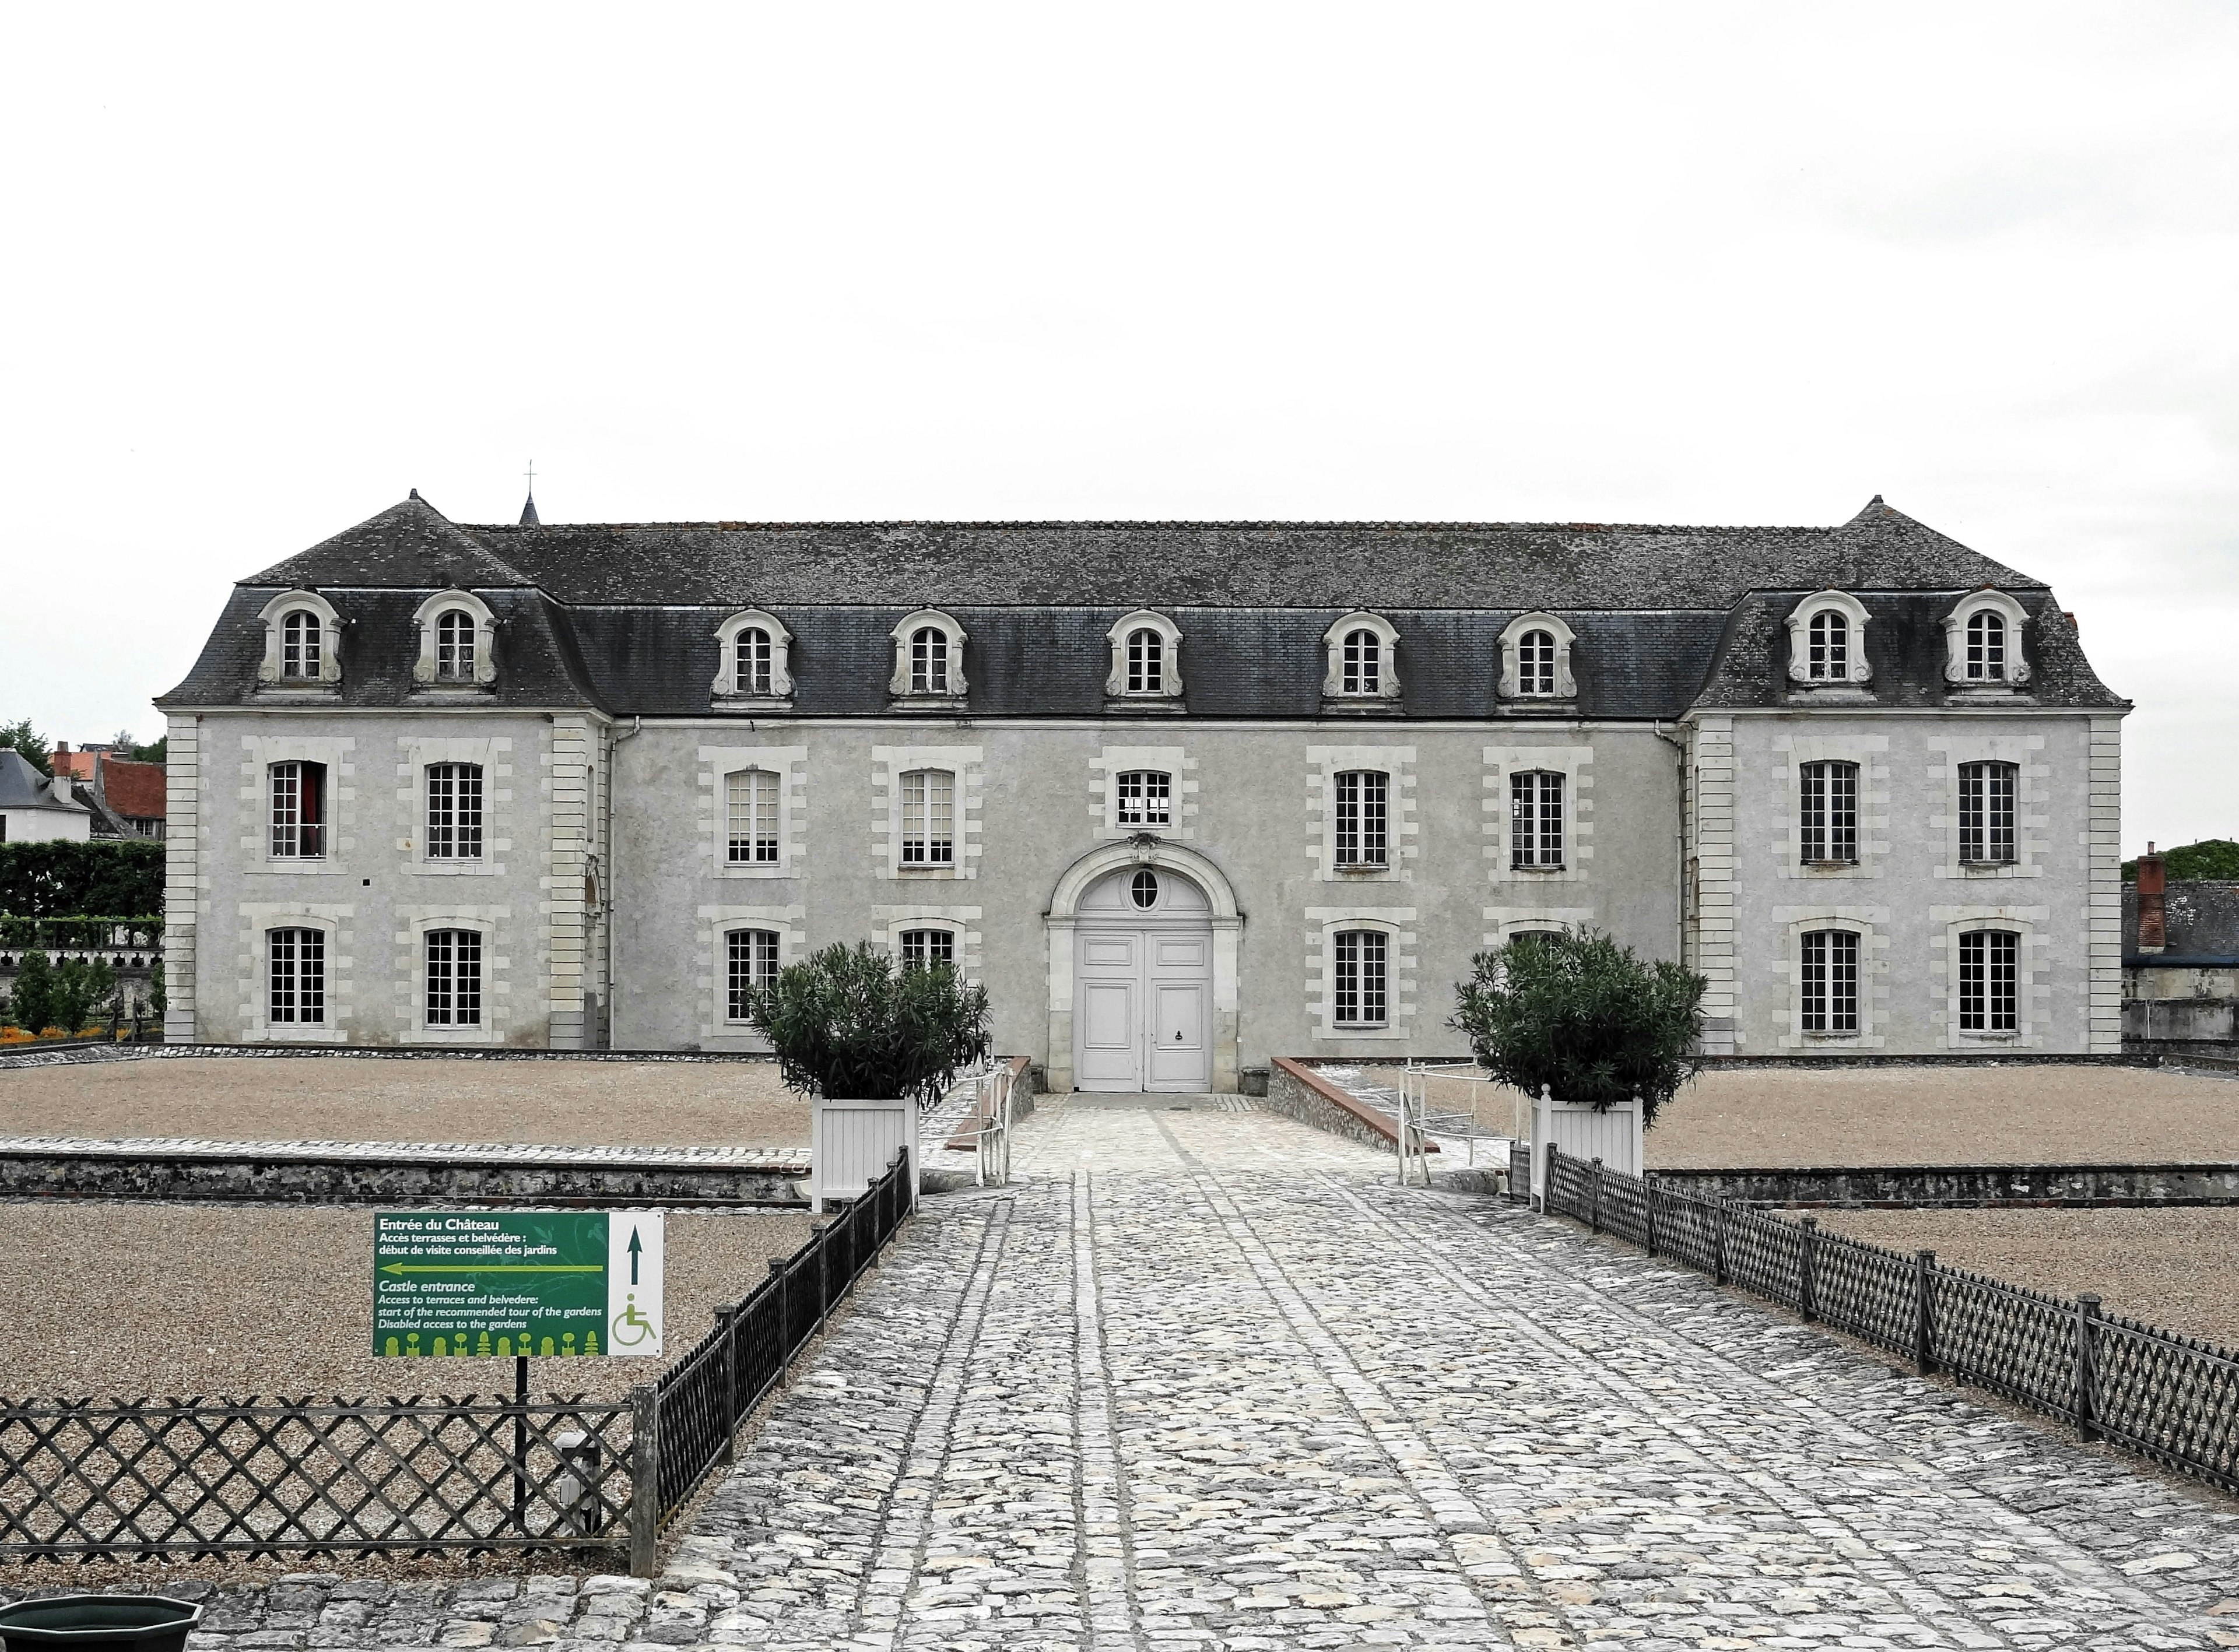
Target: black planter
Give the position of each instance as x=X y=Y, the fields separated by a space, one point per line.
x=97 y=1622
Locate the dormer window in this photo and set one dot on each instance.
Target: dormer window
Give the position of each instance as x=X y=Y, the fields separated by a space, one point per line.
x=1534 y=659
x=302 y=643
x=929 y=658
x=458 y=638
x=1827 y=642
x=753 y=659
x=300 y=636
x=1147 y=663
x=1982 y=643
x=1364 y=660
x=455 y=646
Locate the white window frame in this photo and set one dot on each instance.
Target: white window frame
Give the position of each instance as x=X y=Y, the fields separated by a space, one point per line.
x=1352 y=953
x=776 y=961
x=1397 y=926
x=1955 y=653
x=929 y=778
x=764 y=778
x=950 y=940
x=1165 y=804
x=1117 y=683
x=2029 y=925
x=1533 y=861
x=1511 y=657
x=1870 y=925
x=425 y=619
x=717 y=923
x=1362 y=830
x=1387 y=687
x=272 y=824
x=1823 y=941
x=480 y=826
x=717 y=764
x=1985 y=862
x=273 y=614
x=901 y=684
x=726 y=689
x=300 y=934
x=426 y=943
x=1983 y=939
x=1828 y=830
x=1855 y=672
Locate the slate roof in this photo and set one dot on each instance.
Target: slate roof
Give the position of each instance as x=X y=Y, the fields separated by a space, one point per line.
x=621 y=617
x=22 y=786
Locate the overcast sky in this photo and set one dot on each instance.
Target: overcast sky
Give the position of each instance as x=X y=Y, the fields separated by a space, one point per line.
x=265 y=272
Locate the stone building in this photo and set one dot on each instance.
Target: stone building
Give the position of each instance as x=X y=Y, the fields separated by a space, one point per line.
x=1184 y=796
x=2180 y=963
x=34 y=808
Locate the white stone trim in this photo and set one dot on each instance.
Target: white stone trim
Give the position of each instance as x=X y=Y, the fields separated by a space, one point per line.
x=899 y=684
x=1511 y=666
x=1954 y=642
x=1112 y=762
x=330 y=642
x=423 y=619
x=1387 y=670
x=262 y=751
x=1403 y=831
x=717 y=765
x=1799 y=641
x=2032 y=990
x=889 y=765
x=1400 y=985
x=252 y=976
x=1170 y=668
x=183 y=831
x=416 y=754
x=573 y=936
x=1870 y=925
x=2101 y=842
x=1870 y=753
x=725 y=692
x=2032 y=779
x=1575 y=764
x=1709 y=893
x=410 y=980
x=717 y=1029
x=1503 y=923
x=888 y=924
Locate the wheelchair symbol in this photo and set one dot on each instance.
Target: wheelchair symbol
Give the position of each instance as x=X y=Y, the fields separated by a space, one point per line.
x=630 y=1327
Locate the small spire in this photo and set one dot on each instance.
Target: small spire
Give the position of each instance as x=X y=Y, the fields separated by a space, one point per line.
x=529 y=510
x=1876 y=498
x=416 y=493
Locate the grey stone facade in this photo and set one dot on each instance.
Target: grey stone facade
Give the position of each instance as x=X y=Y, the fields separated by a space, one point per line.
x=603 y=715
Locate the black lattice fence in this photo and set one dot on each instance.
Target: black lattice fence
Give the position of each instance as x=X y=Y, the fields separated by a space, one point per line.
x=2168 y=1397
x=189 y=1477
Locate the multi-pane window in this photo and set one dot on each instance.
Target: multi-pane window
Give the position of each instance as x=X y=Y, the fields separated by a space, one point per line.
x=751 y=669
x=301 y=636
x=1986 y=813
x=1363 y=832
x=1535 y=663
x=455 y=978
x=1146 y=799
x=1831 y=981
x=1361 y=665
x=1829 y=647
x=1986 y=646
x=929 y=661
x=297 y=995
x=299 y=811
x=1147 y=662
x=751 y=963
x=924 y=947
x=455 y=645
x=751 y=798
x=1989 y=980
x=1360 y=988
x=1830 y=811
x=455 y=812
x=1535 y=819
x=928 y=818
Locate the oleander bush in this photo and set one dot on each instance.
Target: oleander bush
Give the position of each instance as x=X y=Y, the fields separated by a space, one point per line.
x=850 y=1023
x=1588 y=1018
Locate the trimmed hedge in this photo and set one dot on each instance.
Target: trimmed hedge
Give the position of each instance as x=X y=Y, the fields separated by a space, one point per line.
x=58 y=879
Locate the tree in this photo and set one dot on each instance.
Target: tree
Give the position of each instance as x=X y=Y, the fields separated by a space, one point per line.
x=19 y=736
x=32 y=1008
x=104 y=877
x=848 y=1024
x=151 y=753
x=1577 y=1012
x=2210 y=858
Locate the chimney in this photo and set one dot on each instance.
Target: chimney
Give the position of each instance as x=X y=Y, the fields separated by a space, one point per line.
x=2153 y=885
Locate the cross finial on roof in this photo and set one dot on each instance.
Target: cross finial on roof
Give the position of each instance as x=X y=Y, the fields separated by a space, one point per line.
x=529 y=510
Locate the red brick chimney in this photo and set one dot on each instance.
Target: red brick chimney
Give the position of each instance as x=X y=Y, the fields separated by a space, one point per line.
x=2153 y=885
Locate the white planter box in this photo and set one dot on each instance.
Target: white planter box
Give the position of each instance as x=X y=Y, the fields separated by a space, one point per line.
x=851 y=1143
x=1611 y=1134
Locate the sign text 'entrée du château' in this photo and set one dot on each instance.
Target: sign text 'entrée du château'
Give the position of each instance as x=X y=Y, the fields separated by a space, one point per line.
x=508 y=1283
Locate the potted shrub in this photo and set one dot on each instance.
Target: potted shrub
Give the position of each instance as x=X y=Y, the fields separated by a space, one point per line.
x=868 y=1039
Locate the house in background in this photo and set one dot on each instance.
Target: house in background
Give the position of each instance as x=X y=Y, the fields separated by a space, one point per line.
x=34 y=809
x=2180 y=964
x=125 y=799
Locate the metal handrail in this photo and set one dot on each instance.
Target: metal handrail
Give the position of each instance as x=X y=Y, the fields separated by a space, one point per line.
x=1417 y=1122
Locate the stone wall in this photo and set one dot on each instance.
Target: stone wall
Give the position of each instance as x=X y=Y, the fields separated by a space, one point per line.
x=1298 y=1092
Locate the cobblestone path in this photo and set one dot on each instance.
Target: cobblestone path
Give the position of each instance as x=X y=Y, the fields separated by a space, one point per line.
x=1206 y=1378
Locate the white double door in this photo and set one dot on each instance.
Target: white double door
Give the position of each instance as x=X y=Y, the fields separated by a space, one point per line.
x=1143 y=1006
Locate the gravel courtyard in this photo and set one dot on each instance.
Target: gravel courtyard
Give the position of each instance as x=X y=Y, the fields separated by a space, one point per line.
x=117 y=1300
x=369 y=1098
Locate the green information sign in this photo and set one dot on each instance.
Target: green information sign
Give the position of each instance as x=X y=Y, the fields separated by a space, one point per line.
x=508 y=1283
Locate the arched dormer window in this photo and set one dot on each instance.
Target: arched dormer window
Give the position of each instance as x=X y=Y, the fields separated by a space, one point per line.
x=303 y=642
x=1363 y=652
x=1983 y=642
x=1827 y=641
x=755 y=665
x=1534 y=659
x=458 y=641
x=1146 y=658
x=929 y=658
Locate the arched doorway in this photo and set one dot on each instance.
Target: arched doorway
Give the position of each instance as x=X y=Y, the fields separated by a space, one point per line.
x=1143 y=945
x=1142 y=975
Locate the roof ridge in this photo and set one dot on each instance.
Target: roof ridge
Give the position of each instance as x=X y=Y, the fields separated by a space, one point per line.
x=1269 y=524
